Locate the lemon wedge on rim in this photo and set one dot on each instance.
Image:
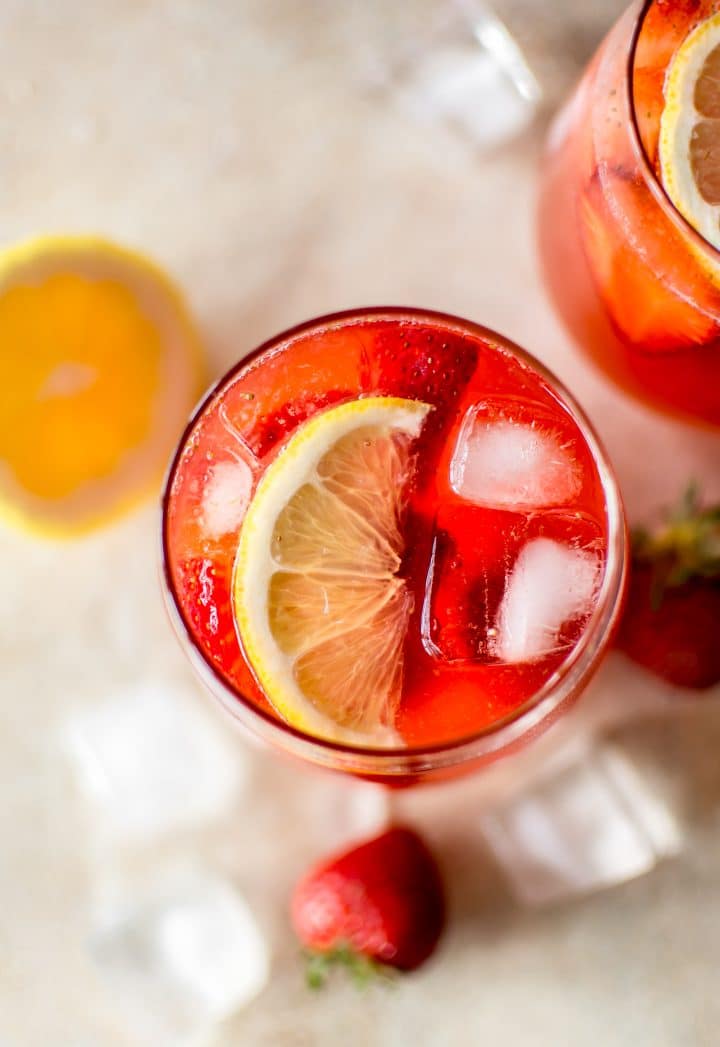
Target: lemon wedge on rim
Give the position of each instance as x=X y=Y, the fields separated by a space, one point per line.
x=689 y=145
x=320 y=608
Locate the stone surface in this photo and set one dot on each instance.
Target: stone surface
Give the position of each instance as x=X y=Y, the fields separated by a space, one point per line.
x=230 y=140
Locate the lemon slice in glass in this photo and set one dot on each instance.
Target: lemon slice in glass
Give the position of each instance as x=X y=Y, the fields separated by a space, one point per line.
x=319 y=605
x=99 y=366
x=690 y=130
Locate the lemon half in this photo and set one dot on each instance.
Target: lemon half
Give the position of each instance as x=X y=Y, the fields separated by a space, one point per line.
x=319 y=606
x=99 y=366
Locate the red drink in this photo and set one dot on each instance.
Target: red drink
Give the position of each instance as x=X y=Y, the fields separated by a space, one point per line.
x=635 y=283
x=507 y=511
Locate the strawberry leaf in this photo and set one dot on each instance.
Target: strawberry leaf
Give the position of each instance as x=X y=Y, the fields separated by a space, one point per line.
x=363 y=970
x=686 y=546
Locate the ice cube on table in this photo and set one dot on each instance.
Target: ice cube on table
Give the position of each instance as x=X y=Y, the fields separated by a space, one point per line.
x=455 y=66
x=518 y=463
x=183 y=954
x=549 y=585
x=592 y=825
x=469 y=88
x=151 y=761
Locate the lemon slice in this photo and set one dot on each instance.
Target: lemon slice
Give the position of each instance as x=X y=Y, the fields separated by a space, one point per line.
x=99 y=366
x=320 y=609
x=690 y=130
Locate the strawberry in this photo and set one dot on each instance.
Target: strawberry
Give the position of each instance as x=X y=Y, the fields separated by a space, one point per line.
x=423 y=363
x=681 y=8
x=380 y=903
x=671 y=623
x=204 y=588
x=656 y=294
x=466 y=581
x=272 y=428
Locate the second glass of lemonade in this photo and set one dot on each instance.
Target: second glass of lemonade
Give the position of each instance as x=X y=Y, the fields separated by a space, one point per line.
x=629 y=216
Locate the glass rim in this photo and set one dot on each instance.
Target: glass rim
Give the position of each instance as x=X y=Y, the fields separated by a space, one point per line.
x=410 y=760
x=653 y=182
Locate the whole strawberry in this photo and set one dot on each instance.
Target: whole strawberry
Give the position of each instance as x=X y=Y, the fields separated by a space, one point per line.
x=671 y=623
x=380 y=903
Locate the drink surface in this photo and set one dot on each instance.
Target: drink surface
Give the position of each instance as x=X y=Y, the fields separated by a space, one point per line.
x=502 y=516
x=635 y=283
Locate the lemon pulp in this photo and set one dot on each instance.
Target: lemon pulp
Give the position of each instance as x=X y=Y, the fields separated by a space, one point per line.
x=689 y=145
x=320 y=607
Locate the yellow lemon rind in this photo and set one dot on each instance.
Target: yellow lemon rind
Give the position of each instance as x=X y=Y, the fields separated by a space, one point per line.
x=677 y=119
x=254 y=564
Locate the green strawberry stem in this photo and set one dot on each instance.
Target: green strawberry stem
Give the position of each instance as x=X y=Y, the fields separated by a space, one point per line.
x=362 y=969
x=686 y=546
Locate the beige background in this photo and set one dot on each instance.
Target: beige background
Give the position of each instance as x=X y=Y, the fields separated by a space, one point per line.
x=230 y=140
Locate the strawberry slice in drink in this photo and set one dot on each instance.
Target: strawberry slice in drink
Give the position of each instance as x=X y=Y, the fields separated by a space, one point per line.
x=465 y=582
x=655 y=291
x=648 y=102
x=508 y=587
x=205 y=588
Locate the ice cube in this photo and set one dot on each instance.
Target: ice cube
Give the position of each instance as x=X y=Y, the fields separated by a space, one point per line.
x=226 y=497
x=592 y=825
x=184 y=952
x=152 y=761
x=469 y=88
x=463 y=593
x=519 y=463
x=549 y=585
x=460 y=67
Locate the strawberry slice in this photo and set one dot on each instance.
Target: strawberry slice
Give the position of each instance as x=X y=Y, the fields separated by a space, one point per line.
x=274 y=428
x=470 y=555
x=423 y=363
x=654 y=290
x=649 y=102
x=204 y=591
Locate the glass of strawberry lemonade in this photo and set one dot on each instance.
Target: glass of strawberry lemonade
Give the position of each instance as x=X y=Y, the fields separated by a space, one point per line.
x=393 y=545
x=629 y=210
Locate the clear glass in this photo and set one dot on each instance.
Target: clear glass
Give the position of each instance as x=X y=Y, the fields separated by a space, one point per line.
x=634 y=283
x=408 y=766
x=452 y=64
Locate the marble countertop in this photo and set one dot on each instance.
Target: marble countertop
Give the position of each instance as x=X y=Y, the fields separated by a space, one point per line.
x=231 y=141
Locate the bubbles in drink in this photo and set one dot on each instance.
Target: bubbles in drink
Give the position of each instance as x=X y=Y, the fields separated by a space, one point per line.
x=512 y=455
